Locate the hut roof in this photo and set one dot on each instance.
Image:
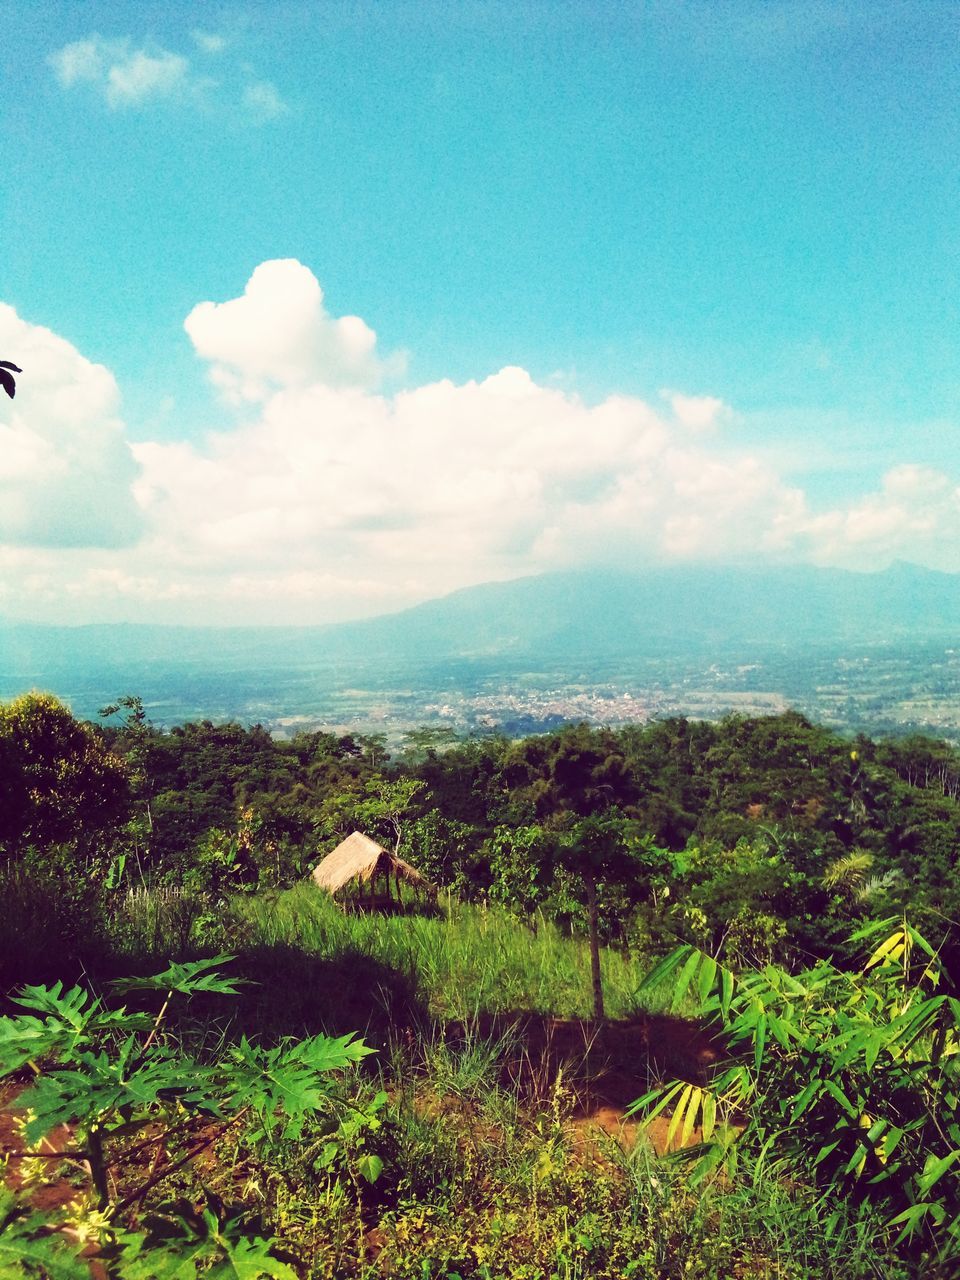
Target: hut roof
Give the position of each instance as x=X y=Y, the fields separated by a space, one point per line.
x=360 y=858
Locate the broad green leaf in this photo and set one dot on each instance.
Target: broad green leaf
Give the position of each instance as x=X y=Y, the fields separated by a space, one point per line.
x=136 y=1260
x=677 y=1118
x=826 y=1150
x=714 y=1154
x=874 y=927
x=685 y=977
x=759 y=1039
x=811 y=1091
x=690 y=1119
x=663 y=970
x=709 y=1114
x=831 y=1087
x=186 y=978
x=28 y=1249
x=370 y=1167
x=910 y=1219
x=726 y=992
x=662 y=1096
x=889 y=951
x=857 y=1161
x=708 y=975
x=251 y=1260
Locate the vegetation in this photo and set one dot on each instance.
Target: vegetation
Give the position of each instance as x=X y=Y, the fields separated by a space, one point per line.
x=318 y=1092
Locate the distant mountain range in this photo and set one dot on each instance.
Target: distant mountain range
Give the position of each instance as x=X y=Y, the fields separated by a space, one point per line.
x=605 y=613
x=580 y=614
x=583 y=627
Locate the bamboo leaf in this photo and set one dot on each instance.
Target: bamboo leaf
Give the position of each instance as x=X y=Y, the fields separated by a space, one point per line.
x=759 y=1039
x=891 y=948
x=709 y=1105
x=708 y=975
x=663 y=970
x=690 y=1119
x=933 y=1170
x=677 y=1117
x=685 y=977
x=726 y=992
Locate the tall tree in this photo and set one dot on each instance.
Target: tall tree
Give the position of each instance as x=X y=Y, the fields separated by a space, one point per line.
x=574 y=780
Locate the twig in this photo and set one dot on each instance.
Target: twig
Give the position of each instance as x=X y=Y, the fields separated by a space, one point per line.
x=156 y=1025
x=45 y=1155
x=140 y=1192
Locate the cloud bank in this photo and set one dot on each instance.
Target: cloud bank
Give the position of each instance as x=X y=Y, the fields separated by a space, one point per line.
x=322 y=496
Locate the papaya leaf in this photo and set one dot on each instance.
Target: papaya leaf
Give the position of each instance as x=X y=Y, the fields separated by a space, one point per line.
x=186 y=978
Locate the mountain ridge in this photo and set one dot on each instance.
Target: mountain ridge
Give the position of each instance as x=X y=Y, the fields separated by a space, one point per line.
x=589 y=612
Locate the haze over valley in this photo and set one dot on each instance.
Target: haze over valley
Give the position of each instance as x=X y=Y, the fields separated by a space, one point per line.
x=877 y=652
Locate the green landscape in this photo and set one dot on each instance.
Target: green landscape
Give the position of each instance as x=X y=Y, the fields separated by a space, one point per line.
x=479 y=640
x=681 y=1000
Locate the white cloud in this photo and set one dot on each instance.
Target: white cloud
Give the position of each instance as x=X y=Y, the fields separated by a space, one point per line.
x=80 y=62
x=699 y=413
x=914 y=516
x=325 y=498
x=209 y=41
x=143 y=75
x=128 y=76
x=279 y=333
x=124 y=75
x=66 y=470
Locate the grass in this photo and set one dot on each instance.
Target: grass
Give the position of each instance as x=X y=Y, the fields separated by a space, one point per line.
x=466 y=960
x=481 y=1180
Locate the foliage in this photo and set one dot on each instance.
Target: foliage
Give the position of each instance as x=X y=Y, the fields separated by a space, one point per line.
x=123 y=1089
x=852 y=1076
x=59 y=785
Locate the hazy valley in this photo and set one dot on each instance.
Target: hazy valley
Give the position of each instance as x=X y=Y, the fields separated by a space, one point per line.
x=876 y=652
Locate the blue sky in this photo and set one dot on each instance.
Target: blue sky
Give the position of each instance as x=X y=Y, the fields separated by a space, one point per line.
x=735 y=226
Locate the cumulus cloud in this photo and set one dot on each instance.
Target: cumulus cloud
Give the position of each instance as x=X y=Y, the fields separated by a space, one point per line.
x=66 y=471
x=209 y=41
x=128 y=76
x=325 y=497
x=915 y=515
x=278 y=333
x=434 y=485
x=263 y=101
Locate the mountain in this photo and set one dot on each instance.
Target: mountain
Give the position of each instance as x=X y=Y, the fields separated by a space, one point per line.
x=585 y=613
x=593 y=613
x=581 y=627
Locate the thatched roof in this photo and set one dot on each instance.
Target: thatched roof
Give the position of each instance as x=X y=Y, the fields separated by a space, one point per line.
x=360 y=858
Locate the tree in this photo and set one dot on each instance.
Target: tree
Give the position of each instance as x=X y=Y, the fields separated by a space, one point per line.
x=597 y=849
x=574 y=780
x=65 y=786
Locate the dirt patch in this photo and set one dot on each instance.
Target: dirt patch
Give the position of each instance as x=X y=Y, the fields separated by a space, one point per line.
x=605 y=1067
x=55 y=1191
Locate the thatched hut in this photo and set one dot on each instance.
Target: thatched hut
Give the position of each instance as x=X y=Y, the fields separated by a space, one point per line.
x=360 y=861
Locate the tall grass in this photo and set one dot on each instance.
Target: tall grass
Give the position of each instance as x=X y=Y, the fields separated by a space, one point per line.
x=466 y=960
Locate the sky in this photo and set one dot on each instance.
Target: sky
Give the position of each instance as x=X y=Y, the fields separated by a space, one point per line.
x=327 y=308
